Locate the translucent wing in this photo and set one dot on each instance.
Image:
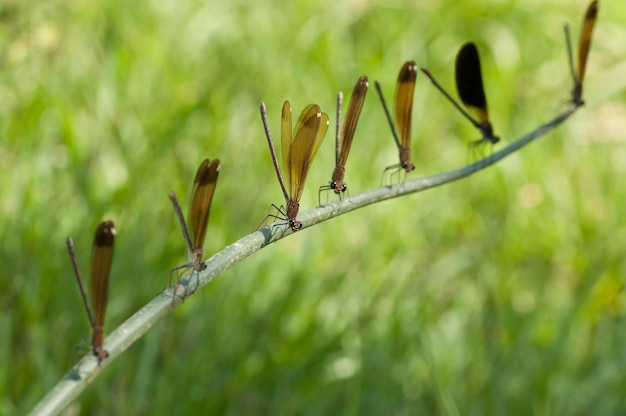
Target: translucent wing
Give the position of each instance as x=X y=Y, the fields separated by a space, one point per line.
x=309 y=133
x=285 y=135
x=352 y=118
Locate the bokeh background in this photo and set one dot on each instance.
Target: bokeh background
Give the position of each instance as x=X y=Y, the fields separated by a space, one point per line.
x=502 y=293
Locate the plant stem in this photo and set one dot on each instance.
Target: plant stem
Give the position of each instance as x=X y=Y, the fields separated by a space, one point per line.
x=87 y=369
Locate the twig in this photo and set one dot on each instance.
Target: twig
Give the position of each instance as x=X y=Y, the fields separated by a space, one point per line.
x=87 y=369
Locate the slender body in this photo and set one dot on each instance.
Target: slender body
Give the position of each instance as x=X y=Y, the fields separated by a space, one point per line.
x=298 y=149
x=198 y=214
x=101 y=259
x=344 y=137
x=583 y=52
x=405 y=88
x=469 y=83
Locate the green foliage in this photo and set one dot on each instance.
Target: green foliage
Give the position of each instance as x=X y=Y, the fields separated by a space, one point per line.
x=502 y=293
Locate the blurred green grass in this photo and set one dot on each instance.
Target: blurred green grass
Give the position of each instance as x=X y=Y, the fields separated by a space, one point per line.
x=502 y=293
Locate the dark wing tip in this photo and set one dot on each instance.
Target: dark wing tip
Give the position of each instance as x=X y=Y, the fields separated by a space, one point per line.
x=105 y=234
x=408 y=72
x=592 y=11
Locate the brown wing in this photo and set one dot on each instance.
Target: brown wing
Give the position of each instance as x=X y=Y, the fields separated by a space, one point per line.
x=352 y=118
x=405 y=88
x=585 y=39
x=101 y=258
x=201 y=197
x=308 y=135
